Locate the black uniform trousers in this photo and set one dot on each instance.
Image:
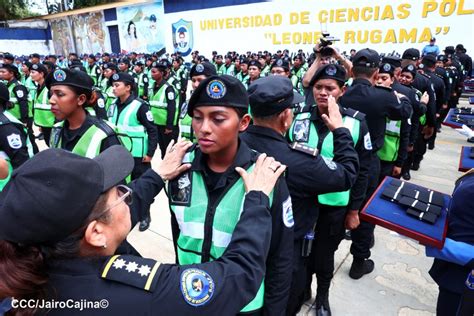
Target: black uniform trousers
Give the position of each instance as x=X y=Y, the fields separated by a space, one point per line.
x=46 y=134
x=363 y=235
x=448 y=302
x=139 y=169
x=165 y=139
x=329 y=234
x=298 y=281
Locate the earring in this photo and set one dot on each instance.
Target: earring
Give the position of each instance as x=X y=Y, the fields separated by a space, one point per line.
x=104 y=246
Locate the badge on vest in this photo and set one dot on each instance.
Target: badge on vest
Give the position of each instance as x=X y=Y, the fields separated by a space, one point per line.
x=288 y=213
x=181 y=189
x=197 y=287
x=14 y=140
x=101 y=103
x=170 y=95
x=301 y=131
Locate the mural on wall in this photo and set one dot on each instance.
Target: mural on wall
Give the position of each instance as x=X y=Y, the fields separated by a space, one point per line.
x=141 y=27
x=62 y=36
x=90 y=33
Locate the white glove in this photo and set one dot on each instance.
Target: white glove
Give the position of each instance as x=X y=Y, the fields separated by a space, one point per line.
x=465 y=131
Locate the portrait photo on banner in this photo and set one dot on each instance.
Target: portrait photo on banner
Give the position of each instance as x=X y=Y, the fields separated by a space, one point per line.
x=141 y=28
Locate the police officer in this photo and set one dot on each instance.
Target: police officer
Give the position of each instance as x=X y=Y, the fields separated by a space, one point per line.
x=132 y=116
x=142 y=80
x=229 y=68
x=220 y=68
x=92 y=69
x=20 y=104
x=378 y=103
x=64 y=245
x=339 y=209
x=15 y=148
x=180 y=73
x=164 y=102
x=428 y=67
x=42 y=115
x=254 y=69
x=106 y=83
x=243 y=75
x=77 y=130
x=397 y=133
x=206 y=200
x=453 y=264
x=271 y=101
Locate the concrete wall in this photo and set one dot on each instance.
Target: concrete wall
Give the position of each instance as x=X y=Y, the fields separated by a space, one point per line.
x=21 y=38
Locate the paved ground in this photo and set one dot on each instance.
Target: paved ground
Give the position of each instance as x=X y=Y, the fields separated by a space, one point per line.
x=399 y=285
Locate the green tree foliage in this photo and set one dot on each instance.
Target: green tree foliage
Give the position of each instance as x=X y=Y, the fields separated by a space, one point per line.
x=14 y=9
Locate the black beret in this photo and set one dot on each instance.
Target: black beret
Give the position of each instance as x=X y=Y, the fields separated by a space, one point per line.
x=110 y=66
x=161 y=65
x=411 y=54
x=395 y=61
x=281 y=63
x=205 y=68
x=124 y=61
x=429 y=60
x=330 y=71
x=449 y=50
x=51 y=195
x=219 y=91
x=69 y=77
x=35 y=55
x=366 y=58
x=39 y=67
x=4 y=93
x=386 y=68
x=8 y=56
x=271 y=95
x=123 y=77
x=27 y=64
x=255 y=63
x=411 y=69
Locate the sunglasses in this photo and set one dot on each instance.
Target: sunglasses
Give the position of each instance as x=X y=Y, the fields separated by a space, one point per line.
x=125 y=195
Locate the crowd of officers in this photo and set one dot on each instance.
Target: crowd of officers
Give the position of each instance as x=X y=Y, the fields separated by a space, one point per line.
x=339 y=123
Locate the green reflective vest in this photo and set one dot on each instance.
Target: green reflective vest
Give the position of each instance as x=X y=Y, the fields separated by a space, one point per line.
x=159 y=105
x=142 y=82
x=185 y=123
x=389 y=150
x=88 y=145
x=128 y=122
x=109 y=94
x=42 y=114
x=92 y=72
x=303 y=130
x=191 y=221
x=15 y=109
x=8 y=118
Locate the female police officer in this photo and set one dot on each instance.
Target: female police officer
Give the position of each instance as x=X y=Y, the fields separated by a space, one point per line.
x=77 y=131
x=62 y=217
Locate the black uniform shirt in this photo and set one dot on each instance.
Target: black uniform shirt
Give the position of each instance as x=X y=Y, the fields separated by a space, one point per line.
x=307 y=175
x=377 y=103
x=423 y=83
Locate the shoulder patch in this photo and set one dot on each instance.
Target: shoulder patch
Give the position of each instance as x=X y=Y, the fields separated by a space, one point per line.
x=19 y=93
x=101 y=103
x=149 y=116
x=301 y=130
x=367 y=142
x=304 y=149
x=330 y=163
x=287 y=208
x=131 y=270
x=197 y=286
x=14 y=141
x=353 y=113
x=170 y=95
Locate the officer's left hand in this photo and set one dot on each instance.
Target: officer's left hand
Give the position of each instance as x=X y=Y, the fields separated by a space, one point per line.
x=172 y=164
x=427 y=131
x=352 y=220
x=168 y=131
x=146 y=159
x=334 y=119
